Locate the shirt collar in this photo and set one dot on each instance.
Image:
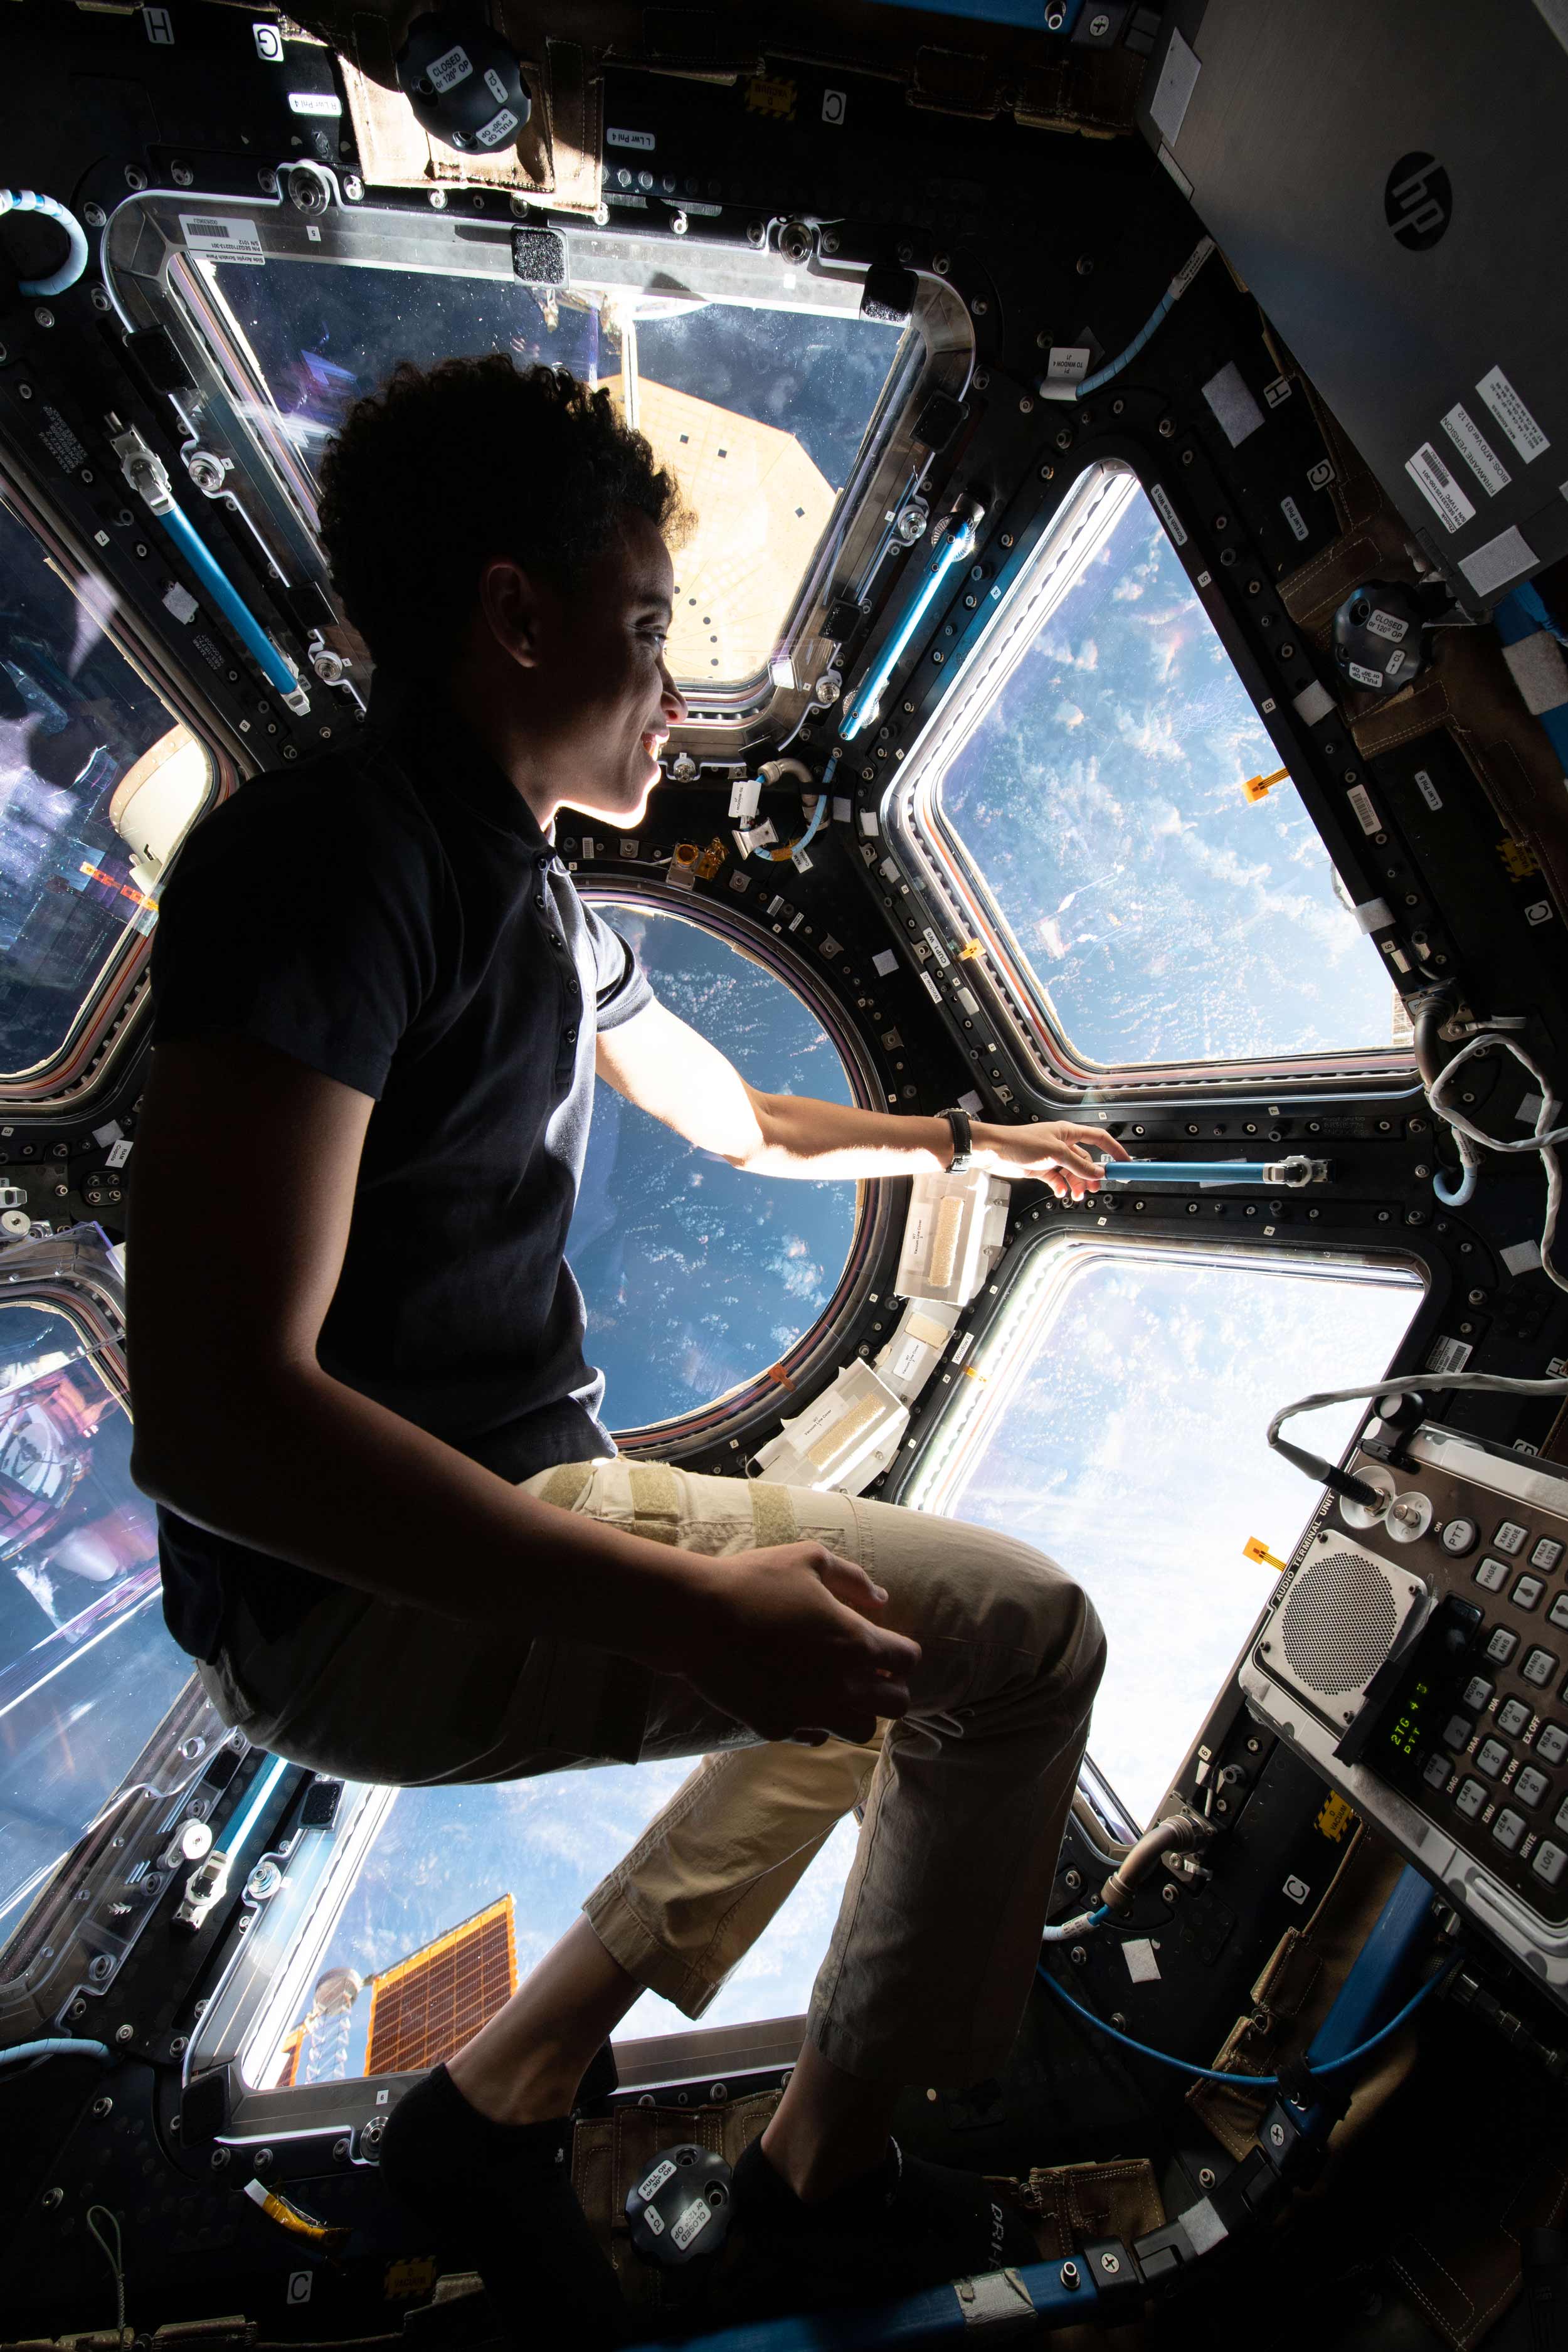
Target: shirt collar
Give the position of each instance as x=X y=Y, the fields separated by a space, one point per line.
x=428 y=728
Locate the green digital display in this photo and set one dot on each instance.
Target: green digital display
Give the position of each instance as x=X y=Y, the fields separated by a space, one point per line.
x=1405 y=1735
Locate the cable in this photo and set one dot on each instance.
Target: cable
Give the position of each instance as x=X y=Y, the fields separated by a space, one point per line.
x=1340 y=1482
x=1545 y=1139
x=58 y=2045
x=1254 y=2082
x=1168 y=300
x=114 y=2256
x=1083 y=1926
x=24 y=200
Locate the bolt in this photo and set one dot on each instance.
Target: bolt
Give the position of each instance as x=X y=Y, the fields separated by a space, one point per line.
x=100 y=299
x=1072 y=1880
x=51 y=2197
x=1477 y=1297
x=183 y=176
x=1167 y=428
x=1070 y=2276
x=1207 y=2177
x=218 y=2159
x=177 y=2045
x=126 y=2032
x=263 y=2159
x=44 y=315
x=102 y=2107
x=267 y=180
x=342 y=2150
x=94 y=216
x=1085 y=266
x=354 y=187
x=678 y=223
x=1025 y=405
x=718 y=2091
x=1421 y=1168
x=942 y=263
x=756 y=233
x=101 y=1968
x=1168 y=1894
x=980 y=306
x=1276 y=2135
x=136 y=180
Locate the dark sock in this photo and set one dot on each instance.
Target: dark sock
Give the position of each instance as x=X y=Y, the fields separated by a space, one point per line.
x=501 y=2195
x=917 y=2222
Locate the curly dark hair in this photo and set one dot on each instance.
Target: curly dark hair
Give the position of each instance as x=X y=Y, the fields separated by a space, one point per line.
x=447 y=466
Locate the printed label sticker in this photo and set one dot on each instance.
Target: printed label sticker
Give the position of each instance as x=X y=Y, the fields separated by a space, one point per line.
x=453 y=66
x=1168 y=515
x=315 y=101
x=643 y=141
x=1359 y=800
x=1512 y=414
x=494 y=84
x=1294 y=517
x=656 y=2179
x=696 y=2218
x=1449 y=1355
x=234 y=240
x=1438 y=488
x=1389 y=625
x=1476 y=450
x=1068 y=364
x=500 y=126
x=1427 y=789
x=1363 y=676
x=655 y=2220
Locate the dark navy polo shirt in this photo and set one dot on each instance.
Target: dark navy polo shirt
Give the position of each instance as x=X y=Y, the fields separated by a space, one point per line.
x=392 y=915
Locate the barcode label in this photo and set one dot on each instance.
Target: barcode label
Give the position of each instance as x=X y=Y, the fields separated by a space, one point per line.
x=225 y=238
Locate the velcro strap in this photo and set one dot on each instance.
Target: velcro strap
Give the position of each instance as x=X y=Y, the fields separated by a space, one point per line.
x=773 y=1515
x=566 y=1486
x=656 y=1501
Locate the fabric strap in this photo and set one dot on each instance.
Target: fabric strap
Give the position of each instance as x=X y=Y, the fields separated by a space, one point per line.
x=567 y=1485
x=773 y=1515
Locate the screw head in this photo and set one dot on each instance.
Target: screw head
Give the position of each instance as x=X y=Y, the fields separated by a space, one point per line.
x=1207 y=2177
x=184 y=176
x=1168 y=1894
x=135 y=179
x=1276 y=2135
x=1077 y=1956
x=51 y=2197
x=44 y=315
x=126 y=2032
x=342 y=2150
x=1111 y=2265
x=354 y=187
x=678 y=223
x=102 y=2107
x=218 y=2159
x=437 y=200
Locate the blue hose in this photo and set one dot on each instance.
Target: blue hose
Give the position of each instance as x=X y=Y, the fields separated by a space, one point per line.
x=1163 y=308
x=232 y=606
x=24 y=200
x=1240 y=2082
x=57 y=2046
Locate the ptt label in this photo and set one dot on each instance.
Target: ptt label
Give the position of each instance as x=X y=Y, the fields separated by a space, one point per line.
x=1476 y=450
x=1512 y=414
x=1294 y=517
x=1389 y=627
x=315 y=101
x=1438 y=488
x=643 y=141
x=222 y=237
x=453 y=66
x=1168 y=515
x=1427 y=789
x=697 y=2216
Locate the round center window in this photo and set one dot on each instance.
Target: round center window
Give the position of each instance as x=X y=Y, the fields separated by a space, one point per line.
x=696 y=1277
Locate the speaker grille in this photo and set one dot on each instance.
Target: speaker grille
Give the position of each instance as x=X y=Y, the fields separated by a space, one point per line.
x=1339 y=1623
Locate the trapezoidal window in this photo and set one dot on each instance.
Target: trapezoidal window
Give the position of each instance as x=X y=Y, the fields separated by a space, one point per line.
x=697 y=1278
x=97 y=785
x=1088 y=780
x=758 y=408
x=1118 y=1423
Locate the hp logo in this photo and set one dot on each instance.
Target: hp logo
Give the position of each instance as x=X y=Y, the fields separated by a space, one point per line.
x=1418 y=201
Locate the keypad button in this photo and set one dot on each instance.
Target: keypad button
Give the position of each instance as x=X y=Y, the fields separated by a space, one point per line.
x=1551 y=1743
x=1508 y=1829
x=1560 y=1815
x=1492 y=1574
x=1501 y=1645
x=1457 y=1731
x=1491 y=1757
x=1459 y=1537
x=1510 y=1537
x=1558 y=1612
x=1512 y=1717
x=1531 y=1786
x=1539 y=1667
x=1527 y=1592
x=1547 y=1862
x=1546 y=1555
x=1478 y=1690
x=1436 y=1768
x=1470 y=1798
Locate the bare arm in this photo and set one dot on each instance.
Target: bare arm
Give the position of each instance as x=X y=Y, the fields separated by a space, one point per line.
x=240 y=1430
x=661 y=1064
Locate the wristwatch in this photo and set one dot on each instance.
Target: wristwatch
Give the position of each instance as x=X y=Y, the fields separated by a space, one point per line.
x=962 y=1142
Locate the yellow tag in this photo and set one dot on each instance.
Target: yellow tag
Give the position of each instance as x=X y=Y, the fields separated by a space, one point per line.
x=1335 y=1819
x=1258 y=787
x=1255 y=1549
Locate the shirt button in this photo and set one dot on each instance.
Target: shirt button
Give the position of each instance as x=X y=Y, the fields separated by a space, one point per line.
x=570 y=1037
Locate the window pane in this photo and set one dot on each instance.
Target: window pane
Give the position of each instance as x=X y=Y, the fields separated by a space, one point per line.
x=445 y=1854
x=1165 y=917
x=96 y=788
x=86 y=1668
x=1121 y=1430
x=696 y=1277
x=759 y=413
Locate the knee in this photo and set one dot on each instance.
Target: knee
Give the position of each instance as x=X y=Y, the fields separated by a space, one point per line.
x=1037 y=1607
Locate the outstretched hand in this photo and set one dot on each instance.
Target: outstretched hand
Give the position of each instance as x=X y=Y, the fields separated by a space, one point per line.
x=1057 y=1150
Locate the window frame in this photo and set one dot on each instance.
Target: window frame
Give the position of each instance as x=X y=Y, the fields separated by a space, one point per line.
x=90 y=1057
x=149 y=274
x=1032 y=1284
x=936 y=862
x=727 y=1418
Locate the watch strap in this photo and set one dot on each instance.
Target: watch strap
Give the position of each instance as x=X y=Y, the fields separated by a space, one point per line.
x=963 y=1141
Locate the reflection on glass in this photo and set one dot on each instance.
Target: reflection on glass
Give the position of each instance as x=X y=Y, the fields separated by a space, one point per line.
x=759 y=413
x=86 y=1667
x=95 y=790
x=1165 y=917
x=1121 y=1429
x=696 y=1277
x=444 y=1856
